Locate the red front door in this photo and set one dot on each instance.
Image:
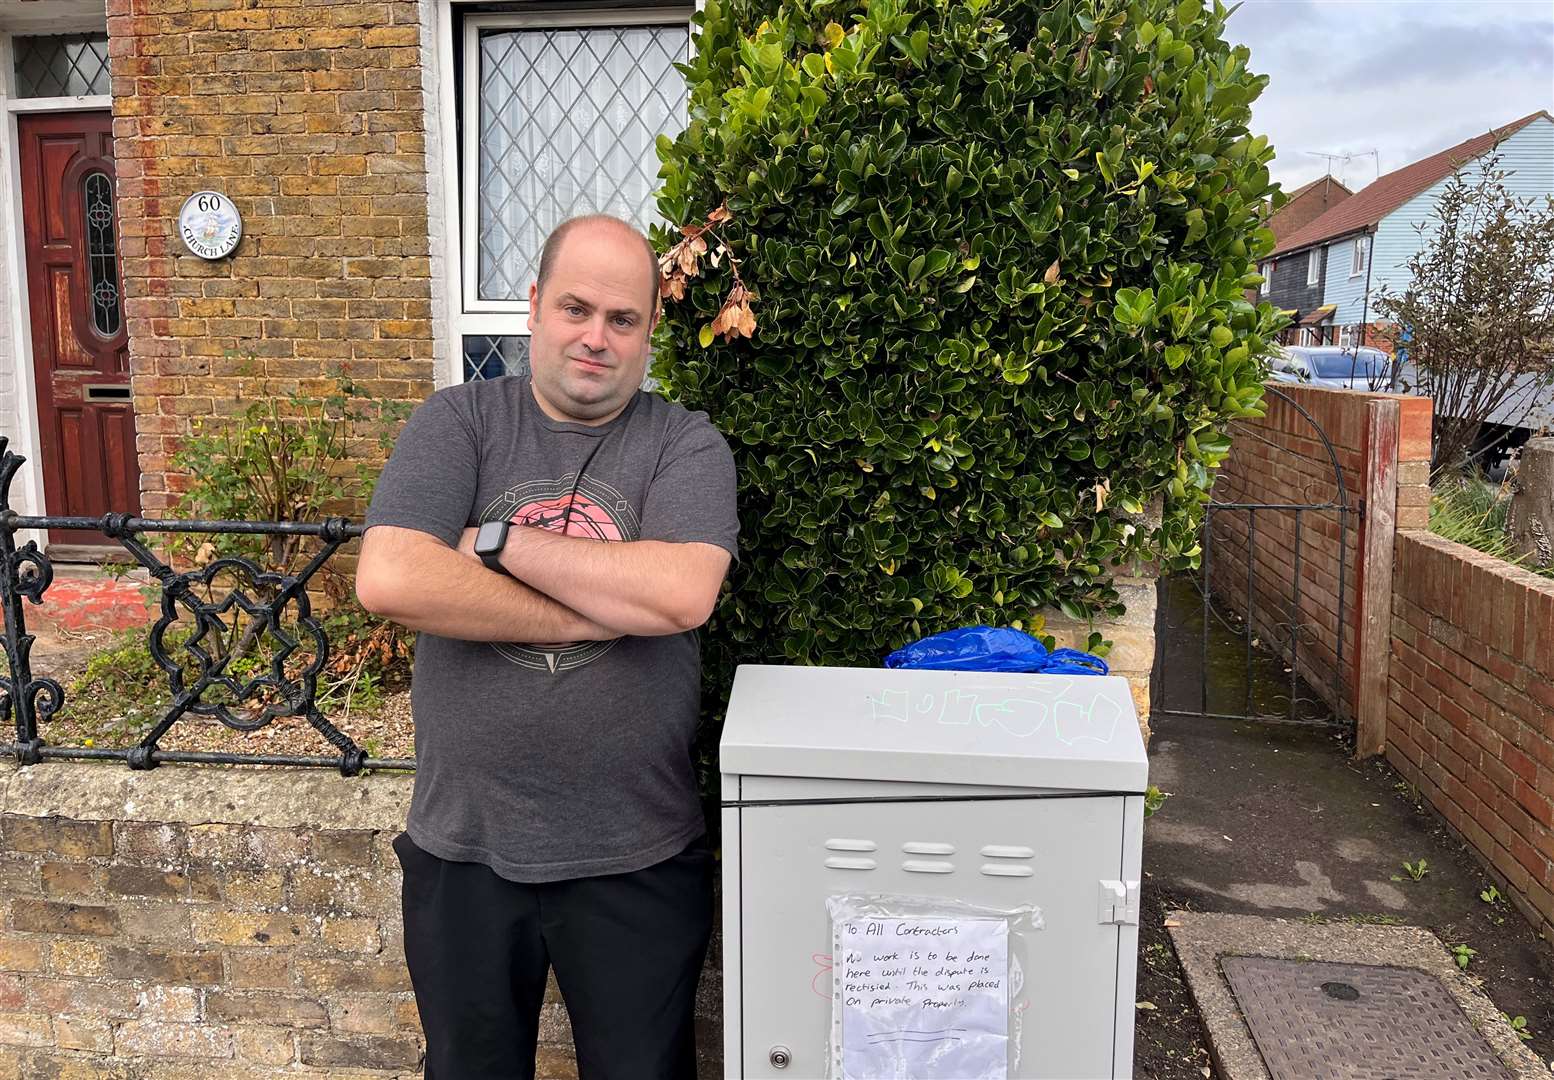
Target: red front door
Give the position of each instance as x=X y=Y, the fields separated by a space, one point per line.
x=80 y=350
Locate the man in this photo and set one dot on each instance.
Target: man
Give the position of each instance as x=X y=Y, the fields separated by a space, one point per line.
x=555 y=820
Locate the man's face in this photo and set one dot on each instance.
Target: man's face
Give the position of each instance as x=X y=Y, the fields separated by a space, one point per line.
x=591 y=326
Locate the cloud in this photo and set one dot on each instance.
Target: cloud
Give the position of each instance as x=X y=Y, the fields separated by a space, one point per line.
x=1404 y=79
x=1267 y=21
x=1434 y=52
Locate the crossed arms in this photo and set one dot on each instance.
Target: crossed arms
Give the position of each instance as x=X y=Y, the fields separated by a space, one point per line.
x=563 y=588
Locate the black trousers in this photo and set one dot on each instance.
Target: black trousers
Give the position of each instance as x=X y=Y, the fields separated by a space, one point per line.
x=627 y=950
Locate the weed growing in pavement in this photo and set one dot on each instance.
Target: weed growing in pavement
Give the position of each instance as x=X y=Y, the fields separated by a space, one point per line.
x=1154 y=799
x=1463 y=955
x=1415 y=870
x=1519 y=1025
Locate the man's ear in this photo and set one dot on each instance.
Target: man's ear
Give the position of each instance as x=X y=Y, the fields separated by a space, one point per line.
x=534 y=304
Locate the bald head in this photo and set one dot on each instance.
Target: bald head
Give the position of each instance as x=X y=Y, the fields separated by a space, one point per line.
x=602 y=226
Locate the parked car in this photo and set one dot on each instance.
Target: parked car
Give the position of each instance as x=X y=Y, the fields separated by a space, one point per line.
x=1340 y=366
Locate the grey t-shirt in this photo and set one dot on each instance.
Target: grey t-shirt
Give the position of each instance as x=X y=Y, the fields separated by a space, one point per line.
x=570 y=761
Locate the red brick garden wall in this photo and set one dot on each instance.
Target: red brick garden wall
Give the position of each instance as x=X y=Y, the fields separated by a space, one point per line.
x=1281 y=459
x=1459 y=644
x=1471 y=713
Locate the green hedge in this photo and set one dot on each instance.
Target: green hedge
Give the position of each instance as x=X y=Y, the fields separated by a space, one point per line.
x=999 y=253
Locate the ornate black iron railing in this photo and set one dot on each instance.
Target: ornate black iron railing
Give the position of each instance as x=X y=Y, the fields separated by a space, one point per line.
x=267 y=613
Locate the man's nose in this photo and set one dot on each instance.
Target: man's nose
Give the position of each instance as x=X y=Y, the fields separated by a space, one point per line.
x=593 y=335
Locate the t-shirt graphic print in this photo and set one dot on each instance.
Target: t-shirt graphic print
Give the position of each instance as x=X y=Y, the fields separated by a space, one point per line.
x=573 y=507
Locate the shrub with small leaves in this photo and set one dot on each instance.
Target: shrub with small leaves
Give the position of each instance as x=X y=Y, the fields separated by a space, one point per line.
x=994 y=256
x=282 y=458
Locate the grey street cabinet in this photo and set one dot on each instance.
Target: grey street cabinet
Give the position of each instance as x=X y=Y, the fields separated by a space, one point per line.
x=930 y=874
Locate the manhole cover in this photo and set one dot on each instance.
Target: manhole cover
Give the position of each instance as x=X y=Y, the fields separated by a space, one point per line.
x=1356 y=1022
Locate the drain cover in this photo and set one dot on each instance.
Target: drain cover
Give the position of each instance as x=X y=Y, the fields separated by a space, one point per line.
x=1356 y=1022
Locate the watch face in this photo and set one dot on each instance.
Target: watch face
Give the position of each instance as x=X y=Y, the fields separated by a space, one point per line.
x=491 y=537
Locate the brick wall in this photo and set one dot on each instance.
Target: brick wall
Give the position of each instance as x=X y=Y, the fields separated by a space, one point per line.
x=211 y=932
x=219 y=924
x=310 y=116
x=1314 y=200
x=1471 y=710
x=1281 y=459
x=1467 y=657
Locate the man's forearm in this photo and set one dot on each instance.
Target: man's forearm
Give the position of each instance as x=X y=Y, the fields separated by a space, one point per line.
x=644 y=587
x=430 y=587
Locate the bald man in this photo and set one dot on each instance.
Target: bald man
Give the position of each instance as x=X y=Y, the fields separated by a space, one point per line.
x=556 y=539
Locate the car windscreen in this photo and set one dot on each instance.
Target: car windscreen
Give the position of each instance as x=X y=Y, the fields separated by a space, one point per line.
x=1366 y=365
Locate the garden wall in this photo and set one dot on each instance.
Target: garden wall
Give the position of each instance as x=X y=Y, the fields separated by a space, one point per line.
x=212 y=923
x=1471 y=715
x=1281 y=459
x=1449 y=654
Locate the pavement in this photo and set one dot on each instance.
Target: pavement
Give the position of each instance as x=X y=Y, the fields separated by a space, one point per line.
x=1275 y=821
x=1367 y=1024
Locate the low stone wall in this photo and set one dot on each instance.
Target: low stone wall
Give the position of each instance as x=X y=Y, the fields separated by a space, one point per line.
x=1471 y=709
x=1132 y=636
x=223 y=923
x=198 y=922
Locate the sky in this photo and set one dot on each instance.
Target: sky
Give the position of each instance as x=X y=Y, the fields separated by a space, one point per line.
x=1405 y=78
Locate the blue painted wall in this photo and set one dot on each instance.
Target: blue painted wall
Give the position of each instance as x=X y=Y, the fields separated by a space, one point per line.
x=1527 y=155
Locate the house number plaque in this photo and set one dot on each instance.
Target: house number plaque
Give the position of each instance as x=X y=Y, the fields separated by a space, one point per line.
x=210 y=225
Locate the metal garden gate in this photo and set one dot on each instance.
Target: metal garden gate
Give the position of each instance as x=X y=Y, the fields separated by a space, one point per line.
x=1260 y=600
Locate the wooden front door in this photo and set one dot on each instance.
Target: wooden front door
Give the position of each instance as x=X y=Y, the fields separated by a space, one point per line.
x=80 y=350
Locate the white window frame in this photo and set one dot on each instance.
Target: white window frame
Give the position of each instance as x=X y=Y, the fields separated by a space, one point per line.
x=1267 y=286
x=468 y=315
x=1361 y=255
x=1314 y=266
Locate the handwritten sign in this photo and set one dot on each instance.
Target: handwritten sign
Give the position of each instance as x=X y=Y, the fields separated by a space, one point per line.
x=923 y=998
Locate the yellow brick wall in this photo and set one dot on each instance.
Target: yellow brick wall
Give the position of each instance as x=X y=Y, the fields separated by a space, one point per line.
x=309 y=116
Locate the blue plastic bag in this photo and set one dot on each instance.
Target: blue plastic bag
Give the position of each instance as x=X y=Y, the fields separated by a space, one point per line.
x=993 y=648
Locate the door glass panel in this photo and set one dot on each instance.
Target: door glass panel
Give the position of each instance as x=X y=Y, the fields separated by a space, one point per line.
x=568 y=123
x=100 y=253
x=61 y=65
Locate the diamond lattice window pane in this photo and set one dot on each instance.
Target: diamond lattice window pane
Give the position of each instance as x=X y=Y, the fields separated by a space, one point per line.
x=61 y=65
x=568 y=123
x=491 y=357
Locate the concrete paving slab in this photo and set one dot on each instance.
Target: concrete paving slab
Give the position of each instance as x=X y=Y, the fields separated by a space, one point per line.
x=1202 y=938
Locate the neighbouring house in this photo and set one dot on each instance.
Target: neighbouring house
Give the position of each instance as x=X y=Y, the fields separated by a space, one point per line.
x=1304 y=203
x=1307 y=203
x=396 y=164
x=1329 y=271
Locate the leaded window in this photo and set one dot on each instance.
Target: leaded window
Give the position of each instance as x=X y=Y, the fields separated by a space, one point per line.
x=568 y=121
x=100 y=253
x=61 y=65
x=490 y=356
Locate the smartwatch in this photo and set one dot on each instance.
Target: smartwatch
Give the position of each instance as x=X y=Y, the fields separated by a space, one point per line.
x=490 y=539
